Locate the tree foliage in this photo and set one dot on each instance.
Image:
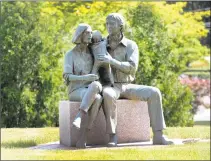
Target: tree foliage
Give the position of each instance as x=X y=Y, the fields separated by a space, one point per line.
x=31 y=85
x=36 y=35
x=167 y=42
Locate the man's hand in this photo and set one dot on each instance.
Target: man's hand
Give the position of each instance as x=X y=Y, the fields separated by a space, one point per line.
x=105 y=58
x=90 y=77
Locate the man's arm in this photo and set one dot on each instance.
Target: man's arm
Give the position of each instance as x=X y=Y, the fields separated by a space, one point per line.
x=125 y=67
x=129 y=66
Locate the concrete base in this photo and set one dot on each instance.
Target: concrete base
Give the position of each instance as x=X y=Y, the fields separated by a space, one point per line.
x=131 y=127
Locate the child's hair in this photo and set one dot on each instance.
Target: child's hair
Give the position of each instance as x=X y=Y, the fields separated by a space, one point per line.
x=96 y=36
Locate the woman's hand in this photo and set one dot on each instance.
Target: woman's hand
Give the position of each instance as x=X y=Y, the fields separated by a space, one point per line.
x=90 y=77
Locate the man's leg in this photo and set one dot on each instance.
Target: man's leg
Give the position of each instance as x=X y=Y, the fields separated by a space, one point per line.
x=110 y=95
x=154 y=100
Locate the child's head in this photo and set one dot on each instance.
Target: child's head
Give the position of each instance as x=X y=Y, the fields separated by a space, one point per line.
x=96 y=36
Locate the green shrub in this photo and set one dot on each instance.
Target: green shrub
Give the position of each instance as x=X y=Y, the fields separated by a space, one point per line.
x=177 y=101
x=31 y=74
x=165 y=47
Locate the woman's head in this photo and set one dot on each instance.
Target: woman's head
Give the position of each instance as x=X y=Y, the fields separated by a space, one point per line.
x=83 y=34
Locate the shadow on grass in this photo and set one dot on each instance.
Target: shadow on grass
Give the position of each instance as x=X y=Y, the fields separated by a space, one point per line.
x=203 y=123
x=19 y=144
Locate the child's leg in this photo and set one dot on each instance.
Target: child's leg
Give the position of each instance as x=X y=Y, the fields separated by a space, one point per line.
x=96 y=67
x=111 y=77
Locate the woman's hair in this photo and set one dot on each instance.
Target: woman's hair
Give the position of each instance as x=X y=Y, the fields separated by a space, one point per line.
x=79 y=31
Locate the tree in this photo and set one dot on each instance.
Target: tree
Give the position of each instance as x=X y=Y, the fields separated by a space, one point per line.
x=20 y=56
x=36 y=35
x=166 y=43
x=32 y=50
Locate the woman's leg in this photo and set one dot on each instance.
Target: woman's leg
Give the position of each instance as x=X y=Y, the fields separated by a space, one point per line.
x=87 y=98
x=91 y=94
x=87 y=120
x=94 y=110
x=77 y=95
x=92 y=100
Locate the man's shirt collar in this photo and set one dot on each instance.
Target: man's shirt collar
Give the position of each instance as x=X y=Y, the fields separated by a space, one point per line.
x=123 y=41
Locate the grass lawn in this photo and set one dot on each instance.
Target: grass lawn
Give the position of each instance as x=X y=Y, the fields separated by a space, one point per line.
x=15 y=143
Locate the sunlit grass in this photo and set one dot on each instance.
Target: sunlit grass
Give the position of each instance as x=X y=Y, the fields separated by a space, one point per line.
x=195 y=151
x=202 y=132
x=26 y=137
x=15 y=143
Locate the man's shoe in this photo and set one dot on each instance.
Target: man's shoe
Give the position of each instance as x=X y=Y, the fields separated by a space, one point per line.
x=112 y=140
x=160 y=139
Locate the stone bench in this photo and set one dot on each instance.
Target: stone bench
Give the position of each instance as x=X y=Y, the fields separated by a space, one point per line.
x=130 y=126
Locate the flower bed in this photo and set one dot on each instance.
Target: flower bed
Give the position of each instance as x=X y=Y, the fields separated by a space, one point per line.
x=200 y=88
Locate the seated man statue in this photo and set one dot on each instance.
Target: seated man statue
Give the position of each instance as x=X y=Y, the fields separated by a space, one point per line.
x=124 y=57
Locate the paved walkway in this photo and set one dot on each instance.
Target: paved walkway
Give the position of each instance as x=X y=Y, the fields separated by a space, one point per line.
x=148 y=144
x=203 y=114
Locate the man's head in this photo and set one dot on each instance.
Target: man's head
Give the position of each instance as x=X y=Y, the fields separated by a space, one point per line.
x=114 y=23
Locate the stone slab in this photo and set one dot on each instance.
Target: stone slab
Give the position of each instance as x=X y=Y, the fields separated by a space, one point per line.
x=133 y=123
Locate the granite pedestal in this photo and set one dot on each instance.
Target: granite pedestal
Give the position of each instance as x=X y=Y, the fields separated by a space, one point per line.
x=133 y=124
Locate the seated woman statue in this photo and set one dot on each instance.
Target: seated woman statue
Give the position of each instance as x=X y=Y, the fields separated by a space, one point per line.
x=82 y=85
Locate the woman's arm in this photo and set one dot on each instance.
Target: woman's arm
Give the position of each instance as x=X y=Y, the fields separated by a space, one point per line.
x=87 y=77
